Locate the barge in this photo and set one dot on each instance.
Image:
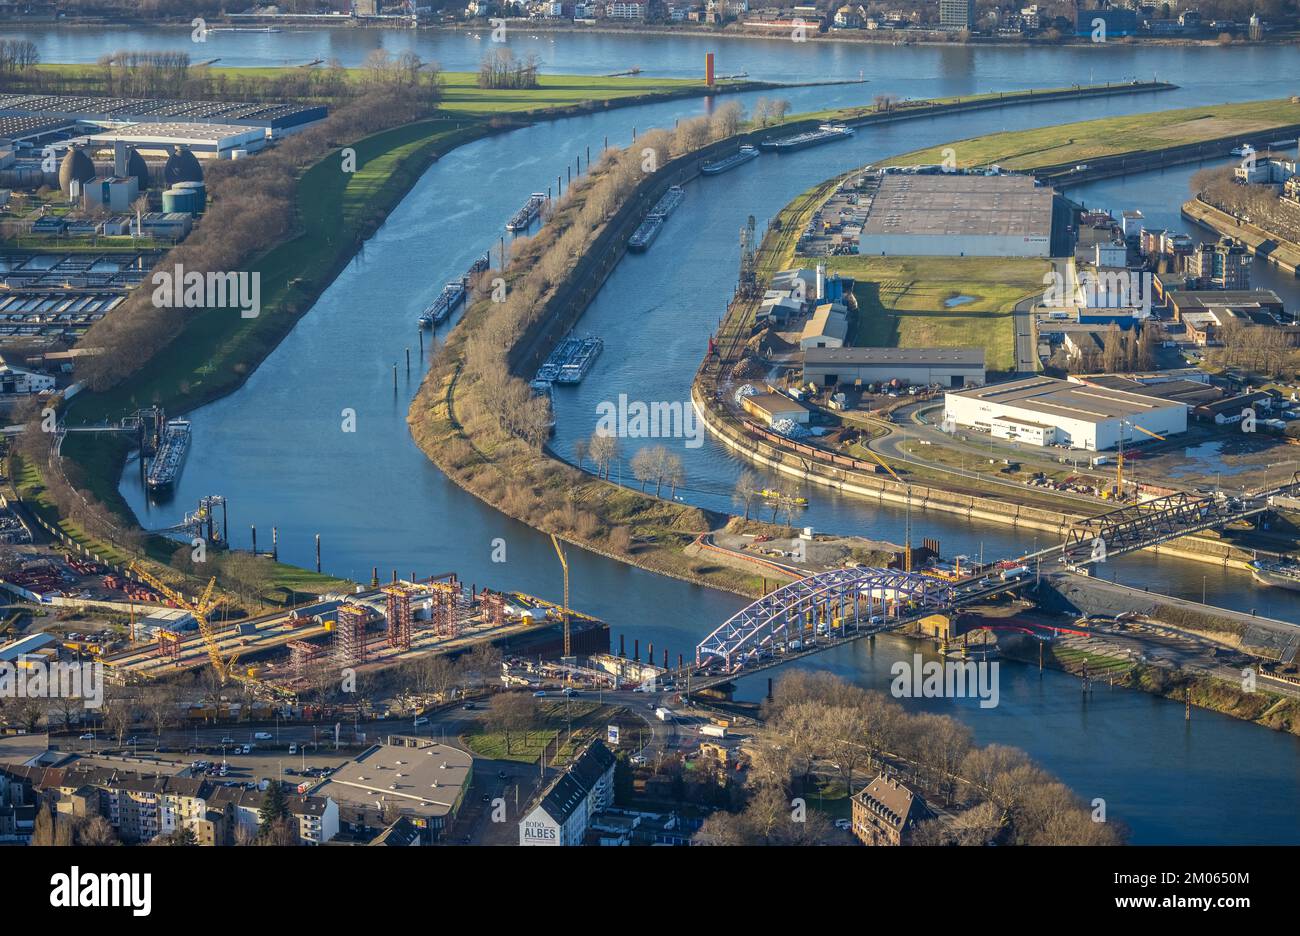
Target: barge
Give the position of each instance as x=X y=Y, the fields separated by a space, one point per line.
x=739 y=158
x=648 y=229
x=826 y=133
x=452 y=295
x=172 y=449
x=1276 y=574
x=570 y=360
x=525 y=216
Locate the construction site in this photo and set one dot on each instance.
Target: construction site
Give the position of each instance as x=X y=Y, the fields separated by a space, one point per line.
x=283 y=655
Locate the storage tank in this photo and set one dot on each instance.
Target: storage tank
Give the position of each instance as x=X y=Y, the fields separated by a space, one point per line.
x=180 y=200
x=199 y=188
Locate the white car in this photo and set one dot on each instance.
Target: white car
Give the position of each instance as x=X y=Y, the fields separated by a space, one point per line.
x=422 y=720
x=87 y=737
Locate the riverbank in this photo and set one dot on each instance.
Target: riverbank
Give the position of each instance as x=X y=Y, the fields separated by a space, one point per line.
x=1259 y=241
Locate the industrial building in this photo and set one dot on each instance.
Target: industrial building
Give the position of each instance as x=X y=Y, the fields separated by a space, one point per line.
x=19 y=380
x=948 y=367
x=1046 y=411
x=767 y=408
x=65 y=109
x=827 y=328
x=958 y=214
x=563 y=813
x=1182 y=301
x=220 y=141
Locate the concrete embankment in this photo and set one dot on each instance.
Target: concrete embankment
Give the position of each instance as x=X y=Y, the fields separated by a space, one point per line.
x=1258 y=241
x=1054 y=522
x=1069 y=175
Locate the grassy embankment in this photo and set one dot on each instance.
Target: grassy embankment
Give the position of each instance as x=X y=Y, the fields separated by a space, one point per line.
x=1108 y=136
x=1269 y=709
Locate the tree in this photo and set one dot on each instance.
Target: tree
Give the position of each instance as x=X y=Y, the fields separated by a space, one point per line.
x=159 y=701
x=483 y=663
x=510 y=713
x=181 y=836
x=747 y=489
x=274 y=809
x=580 y=450
x=603 y=450
x=97 y=832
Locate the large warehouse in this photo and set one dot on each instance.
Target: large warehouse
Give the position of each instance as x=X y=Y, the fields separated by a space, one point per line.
x=1046 y=411
x=948 y=367
x=959 y=215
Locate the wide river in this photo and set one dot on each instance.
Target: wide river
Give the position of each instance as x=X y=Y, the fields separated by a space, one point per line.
x=276 y=451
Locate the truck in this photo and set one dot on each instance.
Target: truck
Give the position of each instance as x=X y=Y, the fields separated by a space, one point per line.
x=663 y=714
x=1014 y=572
x=713 y=731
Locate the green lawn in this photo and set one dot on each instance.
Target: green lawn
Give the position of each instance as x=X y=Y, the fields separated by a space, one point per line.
x=1090 y=139
x=901 y=301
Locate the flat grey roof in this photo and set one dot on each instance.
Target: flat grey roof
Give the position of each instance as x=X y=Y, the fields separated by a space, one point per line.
x=425 y=780
x=1054 y=397
x=906 y=357
x=960 y=205
x=1223 y=298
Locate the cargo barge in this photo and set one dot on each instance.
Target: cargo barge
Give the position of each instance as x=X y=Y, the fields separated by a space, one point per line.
x=744 y=155
x=526 y=215
x=1276 y=574
x=571 y=360
x=826 y=133
x=452 y=295
x=648 y=229
x=166 y=465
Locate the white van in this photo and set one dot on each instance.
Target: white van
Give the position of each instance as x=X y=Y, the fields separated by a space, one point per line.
x=261 y=736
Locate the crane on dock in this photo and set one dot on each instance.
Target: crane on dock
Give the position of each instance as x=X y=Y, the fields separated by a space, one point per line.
x=907 y=526
x=201 y=610
x=564 y=564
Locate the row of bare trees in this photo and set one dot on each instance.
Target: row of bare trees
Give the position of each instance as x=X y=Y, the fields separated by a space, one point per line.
x=816 y=722
x=1258 y=204
x=18 y=55
x=502 y=69
x=1268 y=350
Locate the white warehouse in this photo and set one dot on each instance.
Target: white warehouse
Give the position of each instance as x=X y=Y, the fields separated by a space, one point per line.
x=1046 y=411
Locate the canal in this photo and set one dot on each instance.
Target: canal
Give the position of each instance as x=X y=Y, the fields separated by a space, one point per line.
x=277 y=451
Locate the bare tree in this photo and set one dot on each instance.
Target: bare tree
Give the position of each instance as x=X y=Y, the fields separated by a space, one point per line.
x=746 y=490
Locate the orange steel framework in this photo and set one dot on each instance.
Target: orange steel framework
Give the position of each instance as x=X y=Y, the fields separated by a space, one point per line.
x=350 y=635
x=399 y=616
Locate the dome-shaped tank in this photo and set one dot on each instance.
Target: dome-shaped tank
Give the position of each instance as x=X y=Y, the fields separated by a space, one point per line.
x=76 y=165
x=138 y=168
x=182 y=166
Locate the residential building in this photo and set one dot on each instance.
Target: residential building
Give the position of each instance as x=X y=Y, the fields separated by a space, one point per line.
x=626 y=10
x=887 y=812
x=957 y=14
x=1222 y=265
x=563 y=813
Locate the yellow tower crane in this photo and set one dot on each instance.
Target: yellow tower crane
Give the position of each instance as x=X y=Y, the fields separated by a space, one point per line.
x=201 y=610
x=907 y=528
x=564 y=564
x=1119 y=461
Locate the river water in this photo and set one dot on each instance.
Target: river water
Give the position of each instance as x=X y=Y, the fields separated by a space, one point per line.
x=276 y=448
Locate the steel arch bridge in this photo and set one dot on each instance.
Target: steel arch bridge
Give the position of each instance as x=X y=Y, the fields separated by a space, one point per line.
x=839 y=599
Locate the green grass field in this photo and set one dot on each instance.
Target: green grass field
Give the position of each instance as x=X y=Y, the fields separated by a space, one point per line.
x=1090 y=139
x=901 y=302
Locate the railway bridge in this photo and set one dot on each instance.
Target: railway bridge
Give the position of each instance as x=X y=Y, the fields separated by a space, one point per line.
x=822 y=610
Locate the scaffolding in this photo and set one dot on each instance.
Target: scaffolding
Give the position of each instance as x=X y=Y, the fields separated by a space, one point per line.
x=442 y=611
x=169 y=644
x=399 y=616
x=493 y=607
x=302 y=655
x=350 y=635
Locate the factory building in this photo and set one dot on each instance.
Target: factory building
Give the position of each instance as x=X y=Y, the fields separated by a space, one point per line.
x=563 y=814
x=21 y=381
x=948 y=367
x=767 y=408
x=827 y=328
x=1046 y=411
x=219 y=141
x=961 y=215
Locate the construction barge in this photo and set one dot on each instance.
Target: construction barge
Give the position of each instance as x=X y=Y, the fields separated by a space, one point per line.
x=649 y=229
x=739 y=158
x=571 y=360
x=525 y=216
x=1278 y=574
x=826 y=133
x=453 y=294
x=172 y=449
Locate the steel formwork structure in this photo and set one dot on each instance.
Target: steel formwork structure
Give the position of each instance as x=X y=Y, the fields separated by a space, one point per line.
x=445 y=598
x=399 y=616
x=350 y=635
x=493 y=606
x=302 y=655
x=837 y=599
x=169 y=644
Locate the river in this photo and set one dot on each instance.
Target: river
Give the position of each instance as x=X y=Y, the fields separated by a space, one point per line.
x=275 y=448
